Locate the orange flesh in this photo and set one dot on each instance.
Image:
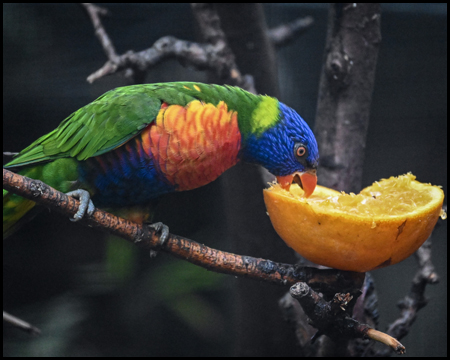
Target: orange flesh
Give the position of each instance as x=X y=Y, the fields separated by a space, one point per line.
x=381 y=226
x=394 y=196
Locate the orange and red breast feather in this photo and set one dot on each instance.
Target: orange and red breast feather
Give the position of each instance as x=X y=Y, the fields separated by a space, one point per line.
x=193 y=145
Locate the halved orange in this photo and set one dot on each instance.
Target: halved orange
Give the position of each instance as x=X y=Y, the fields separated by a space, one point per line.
x=382 y=225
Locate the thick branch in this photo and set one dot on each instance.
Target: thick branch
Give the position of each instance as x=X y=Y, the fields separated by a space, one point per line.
x=326 y=281
x=345 y=92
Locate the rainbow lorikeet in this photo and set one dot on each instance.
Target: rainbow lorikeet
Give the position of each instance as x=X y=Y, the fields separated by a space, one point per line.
x=137 y=142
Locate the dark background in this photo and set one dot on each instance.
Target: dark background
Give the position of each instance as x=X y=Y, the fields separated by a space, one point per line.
x=54 y=272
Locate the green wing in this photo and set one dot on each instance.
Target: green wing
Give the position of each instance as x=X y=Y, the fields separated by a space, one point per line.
x=120 y=114
x=103 y=125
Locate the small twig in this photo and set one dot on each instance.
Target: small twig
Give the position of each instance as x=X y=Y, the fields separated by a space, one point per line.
x=94 y=13
x=326 y=281
x=7 y=153
x=426 y=271
x=214 y=55
x=333 y=318
x=415 y=300
x=200 y=56
x=20 y=324
x=386 y=339
x=409 y=305
x=283 y=34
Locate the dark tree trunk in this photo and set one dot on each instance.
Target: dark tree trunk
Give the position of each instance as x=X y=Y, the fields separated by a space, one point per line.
x=345 y=93
x=260 y=329
x=246 y=30
x=343 y=110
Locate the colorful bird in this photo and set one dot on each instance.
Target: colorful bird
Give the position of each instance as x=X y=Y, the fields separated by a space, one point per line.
x=138 y=142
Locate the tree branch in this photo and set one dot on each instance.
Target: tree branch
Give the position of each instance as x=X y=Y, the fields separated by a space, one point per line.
x=94 y=13
x=333 y=318
x=214 y=55
x=345 y=92
x=325 y=281
x=416 y=299
x=285 y=33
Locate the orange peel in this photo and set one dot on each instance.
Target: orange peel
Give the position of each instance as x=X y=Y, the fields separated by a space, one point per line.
x=382 y=225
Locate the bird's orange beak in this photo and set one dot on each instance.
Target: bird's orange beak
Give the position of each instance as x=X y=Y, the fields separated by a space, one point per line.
x=306 y=180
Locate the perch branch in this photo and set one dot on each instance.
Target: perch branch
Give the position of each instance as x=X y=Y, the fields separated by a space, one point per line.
x=325 y=281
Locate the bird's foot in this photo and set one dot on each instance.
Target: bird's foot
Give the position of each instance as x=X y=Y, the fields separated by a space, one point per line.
x=163 y=230
x=86 y=204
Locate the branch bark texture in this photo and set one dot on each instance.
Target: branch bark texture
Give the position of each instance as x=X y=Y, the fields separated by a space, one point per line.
x=345 y=92
x=214 y=55
x=145 y=237
x=333 y=318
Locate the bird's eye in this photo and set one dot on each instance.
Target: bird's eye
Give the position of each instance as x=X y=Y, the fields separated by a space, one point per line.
x=300 y=150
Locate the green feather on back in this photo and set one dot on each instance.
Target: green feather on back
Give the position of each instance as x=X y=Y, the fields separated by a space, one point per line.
x=96 y=128
x=120 y=114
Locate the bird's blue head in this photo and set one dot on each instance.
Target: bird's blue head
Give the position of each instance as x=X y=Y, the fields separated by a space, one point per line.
x=288 y=149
